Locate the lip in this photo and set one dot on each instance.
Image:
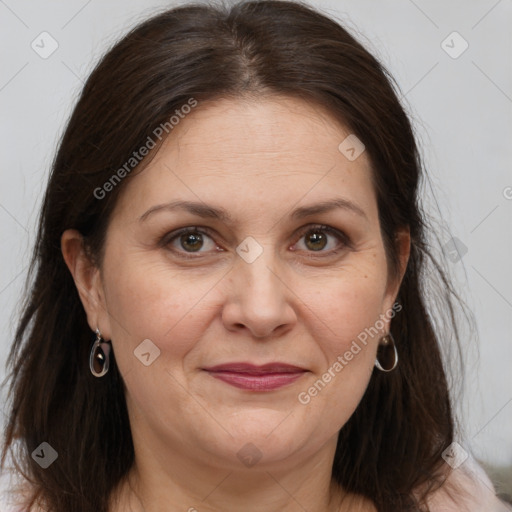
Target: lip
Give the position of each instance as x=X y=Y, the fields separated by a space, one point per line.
x=251 y=377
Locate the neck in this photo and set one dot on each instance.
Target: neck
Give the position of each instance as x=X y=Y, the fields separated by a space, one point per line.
x=175 y=481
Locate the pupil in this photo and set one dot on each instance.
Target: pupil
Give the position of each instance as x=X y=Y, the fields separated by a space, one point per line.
x=192 y=240
x=315 y=238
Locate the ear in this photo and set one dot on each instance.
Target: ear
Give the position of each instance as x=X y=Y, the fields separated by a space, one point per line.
x=88 y=281
x=403 y=245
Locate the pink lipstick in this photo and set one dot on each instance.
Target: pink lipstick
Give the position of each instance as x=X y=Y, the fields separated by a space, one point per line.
x=256 y=378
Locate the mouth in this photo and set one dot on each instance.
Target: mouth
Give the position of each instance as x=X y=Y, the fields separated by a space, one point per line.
x=247 y=376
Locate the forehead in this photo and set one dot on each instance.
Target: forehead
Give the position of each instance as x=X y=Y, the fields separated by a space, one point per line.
x=253 y=154
x=260 y=131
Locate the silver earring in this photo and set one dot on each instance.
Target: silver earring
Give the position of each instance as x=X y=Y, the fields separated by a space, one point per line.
x=387 y=355
x=99 y=359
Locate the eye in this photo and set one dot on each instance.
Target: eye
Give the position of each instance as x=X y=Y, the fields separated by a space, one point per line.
x=318 y=238
x=188 y=241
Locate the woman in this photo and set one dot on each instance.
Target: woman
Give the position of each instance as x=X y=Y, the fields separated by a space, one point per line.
x=227 y=310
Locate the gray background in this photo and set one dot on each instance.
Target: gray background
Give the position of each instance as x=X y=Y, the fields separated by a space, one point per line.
x=462 y=113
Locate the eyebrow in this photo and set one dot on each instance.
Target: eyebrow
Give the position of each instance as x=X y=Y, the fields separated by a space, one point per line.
x=207 y=211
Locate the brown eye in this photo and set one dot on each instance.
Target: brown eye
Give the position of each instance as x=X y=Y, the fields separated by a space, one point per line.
x=316 y=241
x=191 y=241
x=322 y=239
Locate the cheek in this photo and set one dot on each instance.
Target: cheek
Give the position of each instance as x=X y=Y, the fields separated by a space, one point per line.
x=155 y=303
x=347 y=307
x=346 y=321
x=149 y=302
x=354 y=316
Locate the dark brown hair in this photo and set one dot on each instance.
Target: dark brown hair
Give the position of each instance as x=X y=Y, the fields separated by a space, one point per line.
x=392 y=444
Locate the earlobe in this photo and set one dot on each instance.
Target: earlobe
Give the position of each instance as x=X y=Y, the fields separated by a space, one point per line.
x=86 y=277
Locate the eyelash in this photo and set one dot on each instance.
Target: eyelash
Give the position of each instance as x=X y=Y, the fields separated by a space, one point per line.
x=342 y=238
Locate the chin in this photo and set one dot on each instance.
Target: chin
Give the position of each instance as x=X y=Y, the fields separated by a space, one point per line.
x=264 y=440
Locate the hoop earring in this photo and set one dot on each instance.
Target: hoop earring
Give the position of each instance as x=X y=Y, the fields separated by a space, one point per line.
x=387 y=355
x=99 y=359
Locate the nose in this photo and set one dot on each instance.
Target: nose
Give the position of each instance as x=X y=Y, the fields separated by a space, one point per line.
x=259 y=298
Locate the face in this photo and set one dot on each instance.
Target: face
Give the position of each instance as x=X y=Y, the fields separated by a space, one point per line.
x=262 y=277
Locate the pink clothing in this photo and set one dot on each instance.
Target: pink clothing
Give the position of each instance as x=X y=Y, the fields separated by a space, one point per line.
x=475 y=492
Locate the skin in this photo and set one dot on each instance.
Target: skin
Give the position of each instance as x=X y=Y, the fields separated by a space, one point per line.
x=259 y=160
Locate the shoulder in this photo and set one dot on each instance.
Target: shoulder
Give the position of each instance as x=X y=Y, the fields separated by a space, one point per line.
x=467 y=489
